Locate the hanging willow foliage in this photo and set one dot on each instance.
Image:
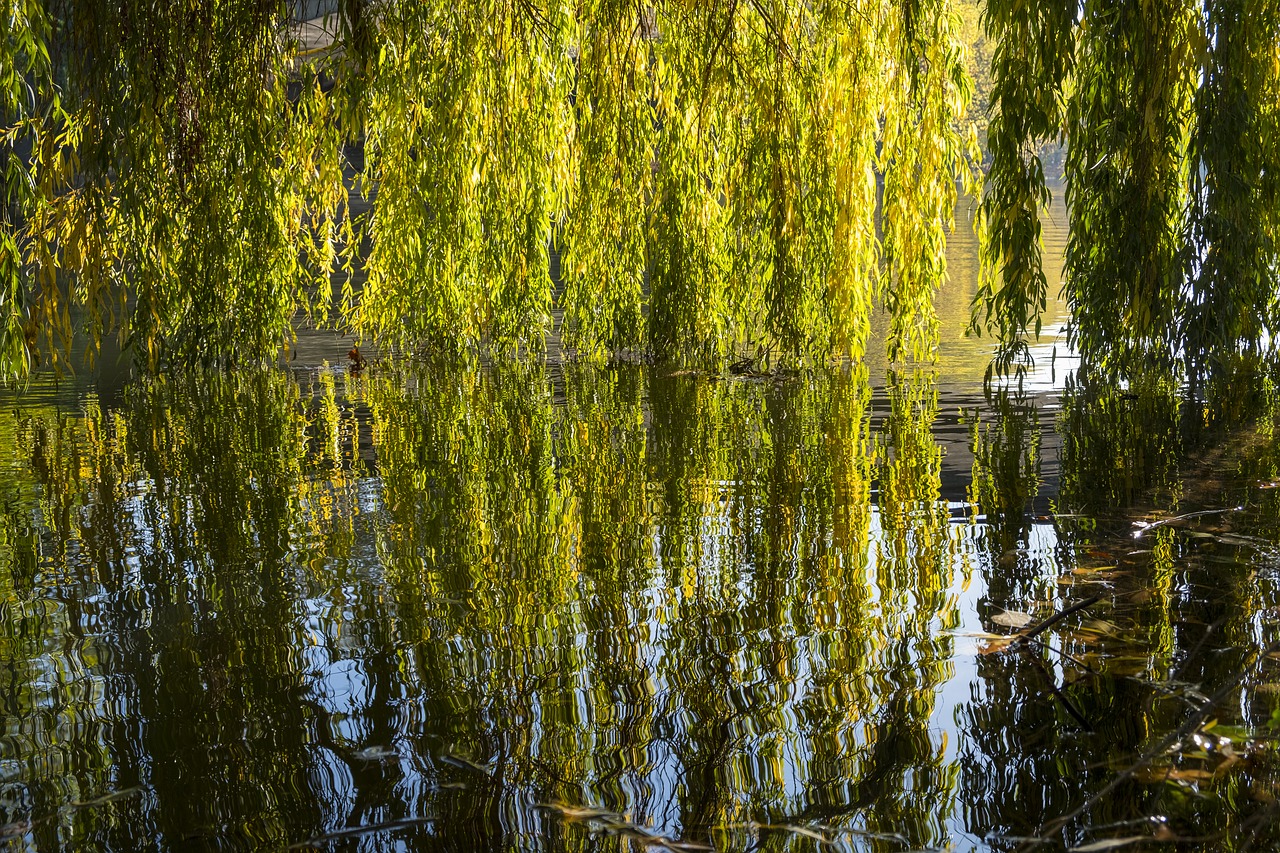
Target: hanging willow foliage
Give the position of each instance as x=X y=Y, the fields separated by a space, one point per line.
x=1169 y=112
x=1035 y=46
x=182 y=199
x=708 y=175
x=690 y=180
x=1233 y=239
x=1127 y=171
x=25 y=70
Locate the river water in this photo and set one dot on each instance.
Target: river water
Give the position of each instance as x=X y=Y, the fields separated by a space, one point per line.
x=559 y=607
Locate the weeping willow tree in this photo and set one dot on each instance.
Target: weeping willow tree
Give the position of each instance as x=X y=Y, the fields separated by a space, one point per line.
x=708 y=174
x=692 y=181
x=169 y=189
x=1169 y=114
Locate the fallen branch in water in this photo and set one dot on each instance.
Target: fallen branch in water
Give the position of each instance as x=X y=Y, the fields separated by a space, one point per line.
x=819 y=832
x=1167 y=742
x=619 y=824
x=1152 y=525
x=1030 y=633
x=356 y=831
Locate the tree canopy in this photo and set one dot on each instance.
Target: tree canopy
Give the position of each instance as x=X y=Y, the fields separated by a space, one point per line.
x=686 y=180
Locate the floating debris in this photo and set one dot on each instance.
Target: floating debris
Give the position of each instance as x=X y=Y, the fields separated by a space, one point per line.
x=622 y=825
x=376 y=753
x=1013 y=619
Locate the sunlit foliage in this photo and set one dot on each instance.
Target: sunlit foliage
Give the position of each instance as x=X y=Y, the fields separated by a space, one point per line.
x=689 y=181
x=1168 y=111
x=708 y=175
x=1233 y=246
x=1034 y=50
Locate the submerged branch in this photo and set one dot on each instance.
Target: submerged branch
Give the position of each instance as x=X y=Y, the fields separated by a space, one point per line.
x=1194 y=722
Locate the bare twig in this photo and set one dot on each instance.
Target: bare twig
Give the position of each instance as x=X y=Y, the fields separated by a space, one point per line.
x=355 y=831
x=1031 y=632
x=1143 y=528
x=1194 y=722
x=1075 y=712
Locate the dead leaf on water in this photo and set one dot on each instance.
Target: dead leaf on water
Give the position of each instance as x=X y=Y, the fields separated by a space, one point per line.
x=1225 y=767
x=1095 y=573
x=1240 y=541
x=1110 y=844
x=376 y=753
x=990 y=647
x=1133 y=666
x=1013 y=618
x=797 y=830
x=580 y=812
x=1154 y=775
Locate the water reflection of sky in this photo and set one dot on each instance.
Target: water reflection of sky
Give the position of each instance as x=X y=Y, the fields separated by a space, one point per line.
x=782 y=751
x=449 y=606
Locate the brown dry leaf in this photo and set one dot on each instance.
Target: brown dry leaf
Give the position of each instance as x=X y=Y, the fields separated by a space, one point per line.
x=1094 y=574
x=1156 y=774
x=1225 y=767
x=675 y=844
x=579 y=812
x=990 y=647
x=1013 y=619
x=798 y=830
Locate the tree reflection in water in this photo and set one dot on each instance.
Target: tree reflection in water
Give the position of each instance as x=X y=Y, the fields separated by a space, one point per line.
x=578 y=608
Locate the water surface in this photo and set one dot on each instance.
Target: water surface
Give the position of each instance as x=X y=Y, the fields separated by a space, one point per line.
x=557 y=607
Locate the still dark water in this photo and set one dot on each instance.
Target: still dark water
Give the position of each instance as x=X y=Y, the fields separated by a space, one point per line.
x=574 y=609
x=570 y=608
